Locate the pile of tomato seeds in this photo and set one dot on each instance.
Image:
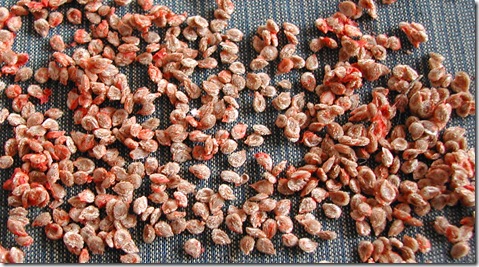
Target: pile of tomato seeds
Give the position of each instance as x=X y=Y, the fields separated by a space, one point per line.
x=393 y=161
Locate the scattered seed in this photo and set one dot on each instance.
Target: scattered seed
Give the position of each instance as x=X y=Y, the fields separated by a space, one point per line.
x=307 y=245
x=264 y=245
x=219 y=237
x=193 y=248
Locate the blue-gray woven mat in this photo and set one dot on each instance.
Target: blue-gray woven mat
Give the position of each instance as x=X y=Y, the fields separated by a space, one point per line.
x=451 y=28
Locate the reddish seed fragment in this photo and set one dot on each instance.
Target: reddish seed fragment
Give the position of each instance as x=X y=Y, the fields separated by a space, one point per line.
x=42 y=219
x=424 y=243
x=53 y=231
x=74 y=16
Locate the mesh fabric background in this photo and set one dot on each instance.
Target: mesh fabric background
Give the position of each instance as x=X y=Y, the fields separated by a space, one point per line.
x=451 y=29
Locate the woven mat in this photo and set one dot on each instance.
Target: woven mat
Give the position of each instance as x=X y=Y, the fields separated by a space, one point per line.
x=451 y=29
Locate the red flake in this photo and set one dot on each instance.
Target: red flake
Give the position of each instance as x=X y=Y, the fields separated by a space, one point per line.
x=45 y=96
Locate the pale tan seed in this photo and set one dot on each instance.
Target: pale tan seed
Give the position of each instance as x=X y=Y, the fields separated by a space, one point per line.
x=130 y=258
x=149 y=234
x=193 y=248
x=311 y=225
x=247 y=244
x=327 y=235
x=258 y=64
x=200 y=171
x=42 y=219
x=259 y=103
x=282 y=101
x=264 y=245
x=307 y=245
x=283 y=207
x=307 y=205
x=339 y=198
x=195 y=226
x=289 y=240
x=270 y=228
x=215 y=220
x=237 y=68
x=285 y=224
x=163 y=229
x=250 y=207
x=226 y=192
x=234 y=223
x=254 y=140
x=267 y=204
x=6 y=162
x=230 y=177
x=365 y=250
x=201 y=210
x=312 y=62
x=219 y=237
x=237 y=159
x=459 y=250
x=255 y=232
x=261 y=129
x=331 y=210
x=228 y=146
x=216 y=203
x=204 y=194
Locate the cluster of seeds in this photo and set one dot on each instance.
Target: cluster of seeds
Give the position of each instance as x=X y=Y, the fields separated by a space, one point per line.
x=365 y=163
x=459 y=236
x=393 y=250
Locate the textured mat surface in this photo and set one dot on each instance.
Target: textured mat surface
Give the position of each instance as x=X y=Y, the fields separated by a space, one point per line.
x=451 y=29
